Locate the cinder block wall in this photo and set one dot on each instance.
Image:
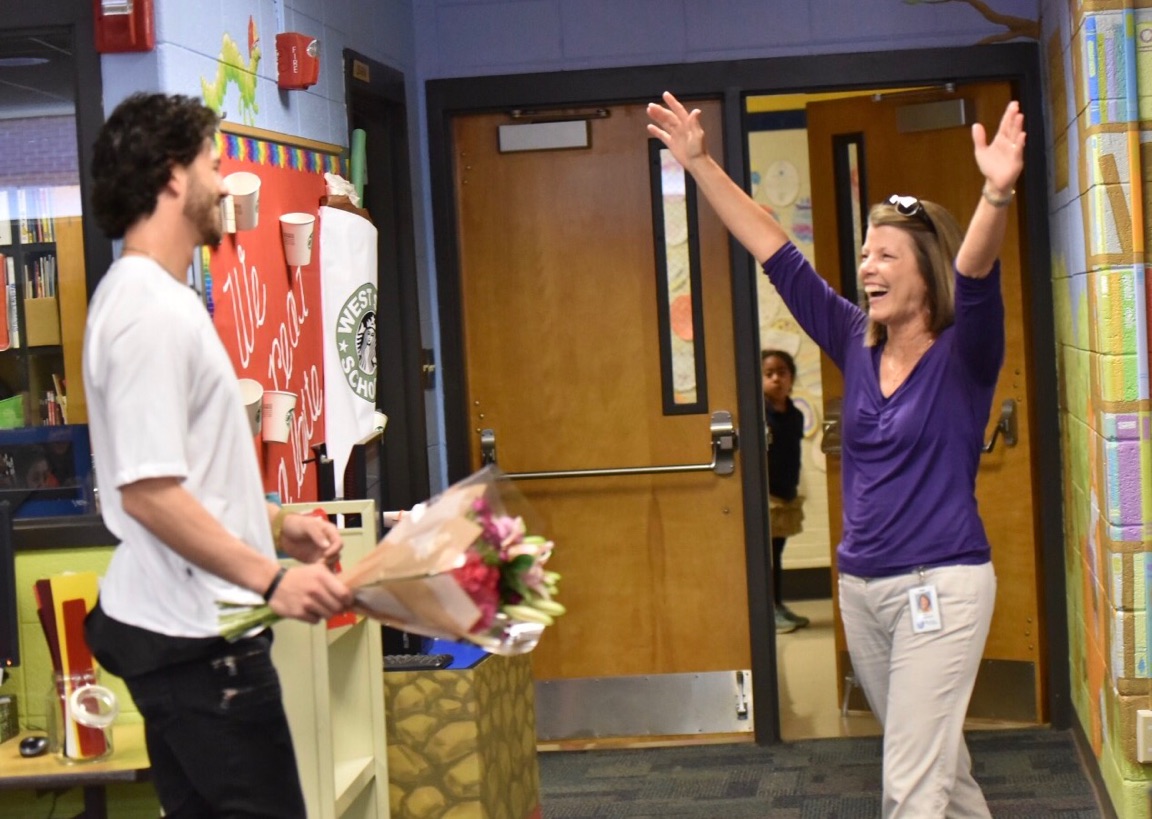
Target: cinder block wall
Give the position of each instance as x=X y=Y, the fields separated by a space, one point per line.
x=1098 y=93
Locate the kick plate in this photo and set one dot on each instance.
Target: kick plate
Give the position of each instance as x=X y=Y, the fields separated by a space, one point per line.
x=708 y=702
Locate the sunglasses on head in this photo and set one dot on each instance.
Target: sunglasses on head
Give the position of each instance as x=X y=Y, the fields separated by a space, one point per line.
x=911 y=206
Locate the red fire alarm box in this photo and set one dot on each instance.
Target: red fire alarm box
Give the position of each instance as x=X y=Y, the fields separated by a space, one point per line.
x=297 y=60
x=124 y=25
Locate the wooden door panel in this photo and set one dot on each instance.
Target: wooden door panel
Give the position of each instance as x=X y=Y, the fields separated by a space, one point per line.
x=563 y=364
x=938 y=165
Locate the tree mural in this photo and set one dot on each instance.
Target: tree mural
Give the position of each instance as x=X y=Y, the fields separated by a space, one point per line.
x=1016 y=26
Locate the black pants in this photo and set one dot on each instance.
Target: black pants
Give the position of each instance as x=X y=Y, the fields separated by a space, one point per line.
x=778 y=569
x=218 y=736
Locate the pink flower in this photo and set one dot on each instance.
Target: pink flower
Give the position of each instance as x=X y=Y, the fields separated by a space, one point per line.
x=508 y=531
x=533 y=578
x=537 y=549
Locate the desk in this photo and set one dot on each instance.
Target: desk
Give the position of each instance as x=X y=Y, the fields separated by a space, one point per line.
x=128 y=763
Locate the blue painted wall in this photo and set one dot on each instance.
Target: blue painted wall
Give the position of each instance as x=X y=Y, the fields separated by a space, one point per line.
x=436 y=39
x=477 y=37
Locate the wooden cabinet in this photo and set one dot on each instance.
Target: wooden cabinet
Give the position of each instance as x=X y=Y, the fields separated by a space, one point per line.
x=333 y=685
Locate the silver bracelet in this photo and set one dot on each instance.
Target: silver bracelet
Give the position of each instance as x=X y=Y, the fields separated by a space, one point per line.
x=994 y=201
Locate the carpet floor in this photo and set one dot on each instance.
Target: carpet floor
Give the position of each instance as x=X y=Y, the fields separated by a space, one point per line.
x=1025 y=774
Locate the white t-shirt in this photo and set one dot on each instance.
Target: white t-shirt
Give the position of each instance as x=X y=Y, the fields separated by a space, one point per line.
x=164 y=401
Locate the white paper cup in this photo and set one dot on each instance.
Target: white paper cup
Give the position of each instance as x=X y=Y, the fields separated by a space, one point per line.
x=244 y=189
x=277 y=411
x=379 y=420
x=252 y=393
x=228 y=214
x=296 y=231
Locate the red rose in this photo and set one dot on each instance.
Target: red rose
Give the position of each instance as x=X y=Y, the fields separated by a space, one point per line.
x=482 y=583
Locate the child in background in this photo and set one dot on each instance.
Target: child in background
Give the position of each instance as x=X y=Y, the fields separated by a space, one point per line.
x=786 y=430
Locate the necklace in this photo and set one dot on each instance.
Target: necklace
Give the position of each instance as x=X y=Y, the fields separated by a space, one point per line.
x=898 y=371
x=142 y=252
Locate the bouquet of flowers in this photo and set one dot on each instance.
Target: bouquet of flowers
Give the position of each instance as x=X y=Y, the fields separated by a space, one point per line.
x=459 y=567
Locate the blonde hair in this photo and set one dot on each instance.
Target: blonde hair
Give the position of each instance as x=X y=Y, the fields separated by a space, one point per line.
x=935 y=249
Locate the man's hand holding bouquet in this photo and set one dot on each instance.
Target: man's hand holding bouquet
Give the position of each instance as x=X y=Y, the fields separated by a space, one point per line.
x=310 y=591
x=458 y=567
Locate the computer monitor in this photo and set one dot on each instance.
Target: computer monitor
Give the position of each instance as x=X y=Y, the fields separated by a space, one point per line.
x=364 y=474
x=9 y=631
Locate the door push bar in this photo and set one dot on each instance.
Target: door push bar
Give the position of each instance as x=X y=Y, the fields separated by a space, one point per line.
x=1006 y=425
x=725 y=442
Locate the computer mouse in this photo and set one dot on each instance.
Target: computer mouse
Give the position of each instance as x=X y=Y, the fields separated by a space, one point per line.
x=33 y=745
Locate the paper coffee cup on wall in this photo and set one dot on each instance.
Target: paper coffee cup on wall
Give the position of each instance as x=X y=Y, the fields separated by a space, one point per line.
x=277 y=412
x=252 y=394
x=228 y=214
x=296 y=232
x=244 y=190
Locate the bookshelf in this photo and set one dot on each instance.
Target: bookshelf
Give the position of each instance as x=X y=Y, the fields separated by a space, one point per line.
x=42 y=279
x=333 y=685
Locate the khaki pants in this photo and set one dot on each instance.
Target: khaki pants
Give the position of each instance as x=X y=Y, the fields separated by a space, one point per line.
x=918 y=685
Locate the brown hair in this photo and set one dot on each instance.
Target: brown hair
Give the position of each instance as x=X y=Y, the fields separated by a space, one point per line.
x=935 y=248
x=134 y=154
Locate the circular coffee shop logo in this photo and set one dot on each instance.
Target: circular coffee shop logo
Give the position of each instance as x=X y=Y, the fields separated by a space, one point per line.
x=356 y=341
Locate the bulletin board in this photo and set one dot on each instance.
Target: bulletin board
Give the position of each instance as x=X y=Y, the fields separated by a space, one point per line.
x=268 y=314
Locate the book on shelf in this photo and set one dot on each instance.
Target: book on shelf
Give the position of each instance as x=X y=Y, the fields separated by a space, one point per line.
x=61 y=397
x=40 y=277
x=4 y=342
x=52 y=415
x=12 y=310
x=35 y=215
x=5 y=219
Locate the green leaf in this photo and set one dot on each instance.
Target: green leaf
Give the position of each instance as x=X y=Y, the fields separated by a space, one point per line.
x=521 y=564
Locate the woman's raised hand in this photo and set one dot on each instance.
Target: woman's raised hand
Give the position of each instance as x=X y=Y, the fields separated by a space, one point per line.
x=1002 y=159
x=681 y=132
x=678 y=128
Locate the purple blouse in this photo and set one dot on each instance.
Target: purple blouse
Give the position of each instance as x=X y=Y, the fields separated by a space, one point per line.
x=909 y=461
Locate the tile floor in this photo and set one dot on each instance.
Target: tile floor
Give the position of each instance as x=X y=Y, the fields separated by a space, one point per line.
x=806 y=668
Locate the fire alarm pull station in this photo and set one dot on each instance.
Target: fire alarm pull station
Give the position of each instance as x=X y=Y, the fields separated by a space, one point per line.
x=297 y=60
x=124 y=25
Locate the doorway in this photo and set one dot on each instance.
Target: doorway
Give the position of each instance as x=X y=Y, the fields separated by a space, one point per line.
x=376 y=105
x=818 y=172
x=447 y=99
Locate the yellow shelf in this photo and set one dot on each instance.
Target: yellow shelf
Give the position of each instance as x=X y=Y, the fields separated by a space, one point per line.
x=333 y=685
x=351 y=778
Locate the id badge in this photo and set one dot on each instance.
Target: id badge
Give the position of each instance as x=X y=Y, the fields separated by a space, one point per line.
x=925 y=608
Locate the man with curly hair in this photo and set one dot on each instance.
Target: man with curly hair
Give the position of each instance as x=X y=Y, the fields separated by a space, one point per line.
x=181 y=488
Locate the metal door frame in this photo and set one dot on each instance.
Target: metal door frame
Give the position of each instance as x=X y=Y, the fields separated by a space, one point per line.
x=732 y=81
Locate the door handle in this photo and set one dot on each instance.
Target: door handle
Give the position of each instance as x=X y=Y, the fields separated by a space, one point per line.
x=1006 y=426
x=725 y=442
x=830 y=440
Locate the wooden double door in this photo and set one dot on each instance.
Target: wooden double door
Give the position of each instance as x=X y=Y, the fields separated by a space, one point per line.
x=919 y=142
x=564 y=371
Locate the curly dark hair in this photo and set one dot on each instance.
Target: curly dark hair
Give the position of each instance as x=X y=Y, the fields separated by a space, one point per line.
x=132 y=159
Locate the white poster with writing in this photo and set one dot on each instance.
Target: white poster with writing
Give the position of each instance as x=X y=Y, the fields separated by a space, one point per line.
x=348 y=298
